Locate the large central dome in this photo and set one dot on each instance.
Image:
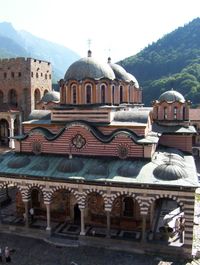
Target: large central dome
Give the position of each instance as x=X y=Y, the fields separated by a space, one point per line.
x=89 y=68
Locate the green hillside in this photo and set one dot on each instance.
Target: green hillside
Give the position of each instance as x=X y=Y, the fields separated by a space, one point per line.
x=173 y=61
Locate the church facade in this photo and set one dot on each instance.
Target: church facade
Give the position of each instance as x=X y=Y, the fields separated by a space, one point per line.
x=103 y=163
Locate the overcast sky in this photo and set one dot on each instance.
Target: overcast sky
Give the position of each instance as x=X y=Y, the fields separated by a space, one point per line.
x=116 y=28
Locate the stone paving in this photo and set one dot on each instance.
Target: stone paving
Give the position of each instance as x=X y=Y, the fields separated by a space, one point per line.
x=29 y=251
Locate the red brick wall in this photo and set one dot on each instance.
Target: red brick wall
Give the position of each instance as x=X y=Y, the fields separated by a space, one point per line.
x=183 y=142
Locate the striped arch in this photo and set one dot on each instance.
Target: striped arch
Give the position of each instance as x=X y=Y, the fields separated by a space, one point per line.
x=32 y=186
x=121 y=193
x=167 y=196
x=92 y=190
x=48 y=195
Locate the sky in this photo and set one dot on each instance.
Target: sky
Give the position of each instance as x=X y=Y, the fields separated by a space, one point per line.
x=115 y=28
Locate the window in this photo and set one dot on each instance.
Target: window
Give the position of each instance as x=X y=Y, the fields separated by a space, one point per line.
x=73 y=95
x=36 y=97
x=184 y=115
x=103 y=94
x=50 y=76
x=37 y=75
x=113 y=95
x=12 y=97
x=1 y=97
x=41 y=74
x=175 y=113
x=12 y=74
x=128 y=207
x=45 y=76
x=19 y=74
x=5 y=75
x=165 y=113
x=121 y=94
x=88 y=94
x=31 y=74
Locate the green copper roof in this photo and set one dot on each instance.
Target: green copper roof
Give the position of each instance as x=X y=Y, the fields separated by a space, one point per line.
x=102 y=170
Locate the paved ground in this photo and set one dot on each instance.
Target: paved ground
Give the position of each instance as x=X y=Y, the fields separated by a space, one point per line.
x=27 y=251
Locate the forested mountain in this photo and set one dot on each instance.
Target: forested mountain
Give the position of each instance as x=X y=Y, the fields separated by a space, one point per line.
x=173 y=61
x=15 y=43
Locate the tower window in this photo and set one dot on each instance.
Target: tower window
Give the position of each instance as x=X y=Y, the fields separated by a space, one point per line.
x=175 y=113
x=12 y=74
x=121 y=94
x=19 y=74
x=88 y=94
x=74 y=95
x=165 y=113
x=5 y=75
x=103 y=94
x=113 y=95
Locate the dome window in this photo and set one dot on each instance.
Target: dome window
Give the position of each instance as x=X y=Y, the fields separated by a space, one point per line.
x=121 y=94
x=165 y=113
x=88 y=94
x=175 y=113
x=103 y=94
x=113 y=95
x=74 y=95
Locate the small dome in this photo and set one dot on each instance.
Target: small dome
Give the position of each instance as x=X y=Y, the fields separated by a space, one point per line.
x=120 y=72
x=89 y=68
x=132 y=78
x=19 y=162
x=171 y=96
x=169 y=171
x=51 y=96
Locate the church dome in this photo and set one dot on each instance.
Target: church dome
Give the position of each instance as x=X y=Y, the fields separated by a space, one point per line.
x=122 y=74
x=53 y=96
x=171 y=96
x=89 y=68
x=169 y=171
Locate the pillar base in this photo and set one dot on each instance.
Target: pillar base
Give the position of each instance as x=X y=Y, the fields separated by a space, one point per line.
x=48 y=230
x=82 y=233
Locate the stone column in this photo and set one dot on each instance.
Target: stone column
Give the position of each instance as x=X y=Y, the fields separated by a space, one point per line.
x=82 y=233
x=48 y=228
x=26 y=213
x=143 y=228
x=108 y=222
x=11 y=142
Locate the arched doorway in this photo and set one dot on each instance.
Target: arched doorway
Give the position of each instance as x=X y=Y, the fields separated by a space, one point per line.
x=77 y=214
x=166 y=214
x=4 y=132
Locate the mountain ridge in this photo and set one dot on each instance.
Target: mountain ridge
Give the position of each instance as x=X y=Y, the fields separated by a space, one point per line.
x=28 y=45
x=172 y=61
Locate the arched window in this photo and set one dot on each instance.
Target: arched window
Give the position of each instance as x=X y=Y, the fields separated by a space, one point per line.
x=128 y=207
x=113 y=95
x=103 y=94
x=1 y=97
x=12 y=98
x=165 y=113
x=175 y=113
x=46 y=91
x=88 y=94
x=121 y=94
x=36 y=97
x=74 y=95
x=4 y=132
x=184 y=114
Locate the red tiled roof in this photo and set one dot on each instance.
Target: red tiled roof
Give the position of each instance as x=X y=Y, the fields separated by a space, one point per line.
x=194 y=114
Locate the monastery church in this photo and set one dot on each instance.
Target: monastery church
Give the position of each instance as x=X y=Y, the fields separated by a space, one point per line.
x=94 y=162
